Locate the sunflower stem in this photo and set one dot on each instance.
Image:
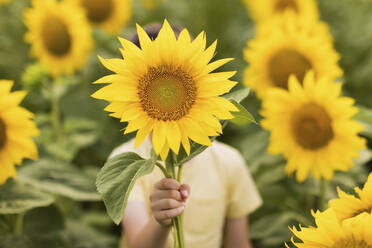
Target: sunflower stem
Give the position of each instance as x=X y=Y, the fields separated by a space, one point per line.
x=56 y=120
x=322 y=194
x=170 y=165
x=179 y=174
x=165 y=172
x=18 y=224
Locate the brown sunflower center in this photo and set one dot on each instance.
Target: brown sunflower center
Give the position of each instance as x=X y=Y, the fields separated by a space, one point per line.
x=282 y=5
x=351 y=243
x=56 y=37
x=2 y=134
x=311 y=126
x=98 y=10
x=285 y=63
x=166 y=92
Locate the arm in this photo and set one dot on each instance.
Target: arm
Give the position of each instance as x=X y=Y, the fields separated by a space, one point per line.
x=167 y=202
x=236 y=233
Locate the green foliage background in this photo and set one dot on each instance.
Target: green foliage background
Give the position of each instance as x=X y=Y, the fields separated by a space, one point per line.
x=62 y=208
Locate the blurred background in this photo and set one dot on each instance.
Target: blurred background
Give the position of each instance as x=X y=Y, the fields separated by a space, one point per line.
x=67 y=169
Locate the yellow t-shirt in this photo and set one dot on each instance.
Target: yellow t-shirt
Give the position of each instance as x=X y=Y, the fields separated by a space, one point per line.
x=221 y=187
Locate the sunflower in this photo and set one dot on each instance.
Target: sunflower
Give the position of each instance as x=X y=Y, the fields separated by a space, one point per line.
x=109 y=15
x=167 y=87
x=289 y=45
x=265 y=9
x=16 y=130
x=59 y=35
x=311 y=126
x=4 y=1
x=149 y=4
x=348 y=206
x=331 y=233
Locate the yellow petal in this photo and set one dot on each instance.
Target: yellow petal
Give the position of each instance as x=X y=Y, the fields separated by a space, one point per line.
x=144 y=39
x=143 y=133
x=158 y=136
x=195 y=132
x=173 y=136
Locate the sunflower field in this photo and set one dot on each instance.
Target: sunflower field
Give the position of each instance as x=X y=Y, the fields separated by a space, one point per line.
x=288 y=82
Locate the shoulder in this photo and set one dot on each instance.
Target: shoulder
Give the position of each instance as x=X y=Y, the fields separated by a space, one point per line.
x=228 y=156
x=126 y=147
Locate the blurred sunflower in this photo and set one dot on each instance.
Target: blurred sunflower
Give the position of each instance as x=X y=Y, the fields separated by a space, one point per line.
x=289 y=45
x=265 y=9
x=109 y=15
x=312 y=127
x=59 y=35
x=149 y=4
x=347 y=206
x=4 y=1
x=16 y=131
x=331 y=233
x=167 y=87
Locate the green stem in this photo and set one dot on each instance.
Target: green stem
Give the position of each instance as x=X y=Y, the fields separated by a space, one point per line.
x=161 y=167
x=56 y=114
x=177 y=221
x=18 y=224
x=175 y=234
x=179 y=175
x=322 y=194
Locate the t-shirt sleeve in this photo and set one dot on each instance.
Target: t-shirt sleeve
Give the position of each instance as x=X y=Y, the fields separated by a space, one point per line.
x=243 y=197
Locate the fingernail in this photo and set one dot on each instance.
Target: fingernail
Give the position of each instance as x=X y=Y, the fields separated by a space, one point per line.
x=185 y=193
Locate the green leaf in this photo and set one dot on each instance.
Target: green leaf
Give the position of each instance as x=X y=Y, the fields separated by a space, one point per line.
x=237 y=95
x=364 y=116
x=43 y=221
x=60 y=178
x=80 y=235
x=116 y=180
x=14 y=241
x=243 y=117
x=16 y=197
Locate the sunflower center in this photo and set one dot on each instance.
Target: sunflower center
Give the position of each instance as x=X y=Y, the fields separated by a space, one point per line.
x=311 y=126
x=351 y=243
x=2 y=134
x=166 y=92
x=281 y=5
x=56 y=37
x=98 y=10
x=285 y=63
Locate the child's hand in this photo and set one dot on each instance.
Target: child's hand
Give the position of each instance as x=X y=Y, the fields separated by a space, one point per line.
x=168 y=200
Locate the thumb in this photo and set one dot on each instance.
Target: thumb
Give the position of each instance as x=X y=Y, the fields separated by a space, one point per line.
x=185 y=191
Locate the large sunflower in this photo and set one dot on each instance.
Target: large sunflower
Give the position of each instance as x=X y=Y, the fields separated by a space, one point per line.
x=110 y=15
x=331 y=233
x=265 y=9
x=59 y=35
x=347 y=206
x=289 y=45
x=312 y=127
x=16 y=130
x=167 y=87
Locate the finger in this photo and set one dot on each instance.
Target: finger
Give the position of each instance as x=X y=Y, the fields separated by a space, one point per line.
x=185 y=191
x=168 y=214
x=166 y=194
x=165 y=204
x=167 y=183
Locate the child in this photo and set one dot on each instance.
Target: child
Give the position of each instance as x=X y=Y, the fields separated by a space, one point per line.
x=216 y=198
